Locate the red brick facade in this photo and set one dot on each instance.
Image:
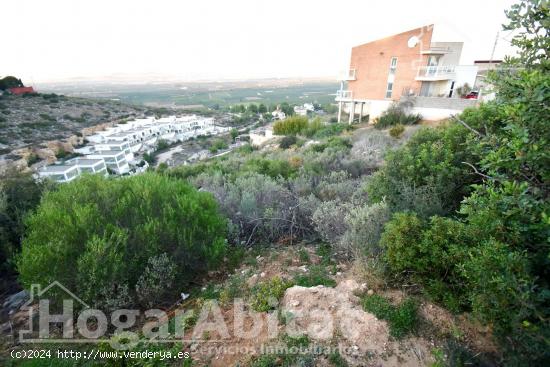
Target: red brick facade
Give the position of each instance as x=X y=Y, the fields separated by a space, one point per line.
x=372 y=64
x=21 y=90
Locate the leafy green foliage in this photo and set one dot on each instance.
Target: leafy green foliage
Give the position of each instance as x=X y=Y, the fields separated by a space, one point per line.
x=291 y=126
x=364 y=228
x=394 y=115
x=402 y=319
x=429 y=253
x=219 y=144
x=530 y=17
x=10 y=82
x=427 y=172
x=267 y=294
x=19 y=194
x=97 y=235
x=287 y=141
x=397 y=130
x=491 y=166
x=316 y=275
x=337 y=360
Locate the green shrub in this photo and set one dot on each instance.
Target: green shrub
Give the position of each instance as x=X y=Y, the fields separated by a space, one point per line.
x=258 y=206
x=162 y=144
x=303 y=254
x=267 y=294
x=287 y=141
x=394 y=115
x=402 y=319
x=218 y=145
x=313 y=127
x=329 y=220
x=301 y=125
x=336 y=360
x=96 y=235
x=364 y=228
x=61 y=153
x=397 y=130
x=291 y=126
x=32 y=159
x=234 y=287
x=330 y=130
x=504 y=294
x=154 y=284
x=316 y=275
x=20 y=193
x=297 y=341
x=430 y=162
x=430 y=254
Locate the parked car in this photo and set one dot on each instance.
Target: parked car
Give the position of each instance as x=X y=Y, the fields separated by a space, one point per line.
x=471 y=95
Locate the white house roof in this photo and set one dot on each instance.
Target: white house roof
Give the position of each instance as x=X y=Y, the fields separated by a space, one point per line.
x=108 y=153
x=58 y=168
x=88 y=161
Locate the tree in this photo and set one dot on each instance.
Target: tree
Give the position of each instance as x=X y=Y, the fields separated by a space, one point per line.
x=20 y=193
x=252 y=108
x=287 y=109
x=498 y=239
x=530 y=17
x=234 y=133
x=97 y=235
x=262 y=108
x=10 y=82
x=238 y=108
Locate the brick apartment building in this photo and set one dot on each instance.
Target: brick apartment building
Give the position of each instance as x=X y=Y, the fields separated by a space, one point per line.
x=405 y=64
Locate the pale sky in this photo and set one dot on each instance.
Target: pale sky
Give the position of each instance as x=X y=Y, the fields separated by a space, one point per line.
x=56 y=40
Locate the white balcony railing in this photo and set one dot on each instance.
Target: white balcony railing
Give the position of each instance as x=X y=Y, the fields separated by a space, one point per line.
x=436 y=51
x=347 y=75
x=343 y=94
x=435 y=72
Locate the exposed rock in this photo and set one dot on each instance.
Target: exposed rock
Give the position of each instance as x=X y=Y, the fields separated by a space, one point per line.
x=15 y=301
x=323 y=313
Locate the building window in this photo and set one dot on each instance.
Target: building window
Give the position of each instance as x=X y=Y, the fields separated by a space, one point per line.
x=389 y=90
x=393 y=65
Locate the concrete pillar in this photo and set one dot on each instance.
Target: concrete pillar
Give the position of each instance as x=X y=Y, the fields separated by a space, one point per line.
x=351 y=111
x=361 y=112
x=339 y=111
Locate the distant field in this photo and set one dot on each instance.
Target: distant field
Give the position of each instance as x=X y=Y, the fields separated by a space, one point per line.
x=323 y=93
x=210 y=94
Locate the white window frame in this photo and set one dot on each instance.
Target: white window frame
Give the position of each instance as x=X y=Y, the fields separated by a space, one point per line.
x=389 y=90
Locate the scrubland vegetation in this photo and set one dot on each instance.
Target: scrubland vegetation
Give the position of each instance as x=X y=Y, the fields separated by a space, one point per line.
x=457 y=215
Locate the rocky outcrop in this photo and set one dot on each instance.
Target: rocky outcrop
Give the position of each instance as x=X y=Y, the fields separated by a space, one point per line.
x=324 y=313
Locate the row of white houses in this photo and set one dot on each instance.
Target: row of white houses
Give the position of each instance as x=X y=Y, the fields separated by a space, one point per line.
x=114 y=149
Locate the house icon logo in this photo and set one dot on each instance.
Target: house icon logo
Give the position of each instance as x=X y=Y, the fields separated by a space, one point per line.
x=39 y=305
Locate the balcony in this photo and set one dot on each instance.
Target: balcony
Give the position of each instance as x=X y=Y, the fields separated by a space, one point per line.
x=343 y=95
x=435 y=73
x=347 y=75
x=436 y=51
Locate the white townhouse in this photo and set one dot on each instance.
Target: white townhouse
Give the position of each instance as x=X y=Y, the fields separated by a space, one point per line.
x=73 y=168
x=60 y=173
x=115 y=145
x=87 y=165
x=114 y=160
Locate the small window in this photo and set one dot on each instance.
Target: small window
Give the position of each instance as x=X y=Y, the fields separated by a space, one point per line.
x=393 y=65
x=389 y=90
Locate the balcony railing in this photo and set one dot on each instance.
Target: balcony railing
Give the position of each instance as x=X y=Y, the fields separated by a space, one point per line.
x=435 y=72
x=436 y=51
x=343 y=94
x=347 y=75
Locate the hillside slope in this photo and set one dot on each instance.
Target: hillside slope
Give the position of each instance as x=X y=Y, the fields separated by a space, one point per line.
x=32 y=120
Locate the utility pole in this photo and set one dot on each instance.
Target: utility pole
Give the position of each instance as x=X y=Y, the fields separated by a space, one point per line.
x=494 y=48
